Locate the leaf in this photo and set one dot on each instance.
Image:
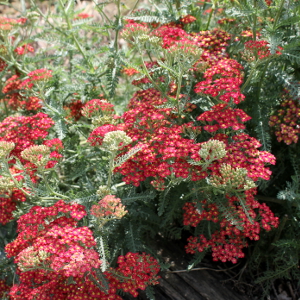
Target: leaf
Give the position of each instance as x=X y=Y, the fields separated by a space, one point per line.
x=49 y=91
x=150 y=292
x=163 y=201
x=150 y=19
x=121 y=159
x=60 y=128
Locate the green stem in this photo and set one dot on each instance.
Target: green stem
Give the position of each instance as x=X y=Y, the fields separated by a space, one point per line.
x=134 y=6
x=178 y=92
x=278 y=233
x=118 y=19
x=146 y=71
x=249 y=77
x=69 y=24
x=82 y=53
x=262 y=79
x=36 y=8
x=65 y=14
x=45 y=179
x=111 y=168
x=278 y=14
x=17 y=184
x=210 y=16
x=254 y=21
x=177 y=3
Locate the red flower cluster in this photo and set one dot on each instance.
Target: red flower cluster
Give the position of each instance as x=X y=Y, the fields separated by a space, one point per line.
x=213 y=42
x=4 y=288
x=222 y=116
x=8 y=23
x=81 y=16
x=97 y=107
x=171 y=35
x=129 y=71
x=226 y=21
x=243 y=152
x=259 y=49
x=286 y=121
x=8 y=204
x=74 y=109
x=25 y=131
x=40 y=74
x=164 y=150
x=187 y=19
x=223 y=80
x=228 y=241
x=3 y=65
x=24 y=49
x=139 y=270
x=14 y=97
x=51 y=248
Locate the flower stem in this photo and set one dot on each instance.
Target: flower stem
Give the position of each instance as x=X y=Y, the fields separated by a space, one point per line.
x=209 y=17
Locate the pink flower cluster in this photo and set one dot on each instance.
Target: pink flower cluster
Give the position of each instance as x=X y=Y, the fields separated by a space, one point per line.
x=109 y=206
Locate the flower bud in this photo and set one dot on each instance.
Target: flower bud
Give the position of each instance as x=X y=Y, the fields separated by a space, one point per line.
x=212 y=150
x=5 y=148
x=38 y=155
x=115 y=139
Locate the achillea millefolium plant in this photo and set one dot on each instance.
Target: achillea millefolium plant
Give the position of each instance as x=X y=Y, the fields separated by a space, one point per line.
x=179 y=118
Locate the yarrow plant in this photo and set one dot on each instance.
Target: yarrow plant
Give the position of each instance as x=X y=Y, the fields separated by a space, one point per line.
x=172 y=130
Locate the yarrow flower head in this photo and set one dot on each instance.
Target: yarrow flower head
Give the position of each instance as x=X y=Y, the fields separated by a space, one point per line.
x=6 y=185
x=129 y=71
x=97 y=136
x=21 y=50
x=115 y=140
x=135 y=31
x=110 y=207
x=231 y=178
x=187 y=19
x=15 y=97
x=212 y=150
x=140 y=269
x=100 y=111
x=7 y=24
x=286 y=121
x=40 y=75
x=6 y=148
x=4 y=288
x=38 y=155
x=31 y=259
x=103 y=191
x=258 y=49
